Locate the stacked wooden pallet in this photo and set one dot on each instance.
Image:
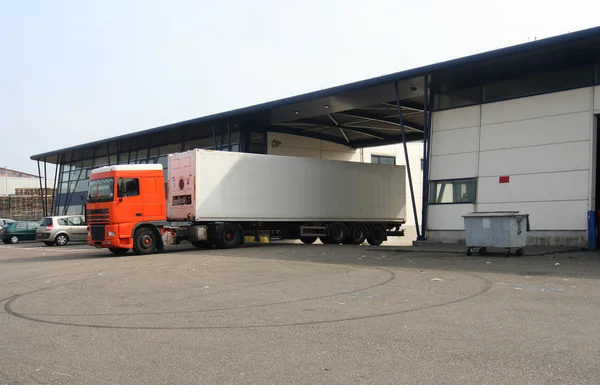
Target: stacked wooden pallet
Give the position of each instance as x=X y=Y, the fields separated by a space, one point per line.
x=26 y=204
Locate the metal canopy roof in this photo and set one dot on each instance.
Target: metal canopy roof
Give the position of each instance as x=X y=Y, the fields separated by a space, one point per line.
x=365 y=113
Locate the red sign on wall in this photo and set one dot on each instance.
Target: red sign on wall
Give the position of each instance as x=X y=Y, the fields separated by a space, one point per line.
x=504 y=179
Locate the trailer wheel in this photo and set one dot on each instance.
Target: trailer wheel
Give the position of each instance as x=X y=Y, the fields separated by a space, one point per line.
x=308 y=240
x=231 y=236
x=357 y=234
x=144 y=241
x=118 y=250
x=377 y=235
x=337 y=232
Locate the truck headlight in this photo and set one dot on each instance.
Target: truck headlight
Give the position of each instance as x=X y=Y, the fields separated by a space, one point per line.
x=111 y=234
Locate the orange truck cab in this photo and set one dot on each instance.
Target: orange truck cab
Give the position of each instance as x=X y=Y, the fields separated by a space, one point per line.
x=124 y=206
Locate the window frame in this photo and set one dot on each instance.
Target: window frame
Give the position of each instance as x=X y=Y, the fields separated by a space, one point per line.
x=452 y=181
x=136 y=181
x=383 y=157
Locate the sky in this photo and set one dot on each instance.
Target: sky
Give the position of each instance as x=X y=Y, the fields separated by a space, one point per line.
x=72 y=72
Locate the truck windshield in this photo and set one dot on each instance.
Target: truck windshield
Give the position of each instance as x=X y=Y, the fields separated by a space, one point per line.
x=101 y=190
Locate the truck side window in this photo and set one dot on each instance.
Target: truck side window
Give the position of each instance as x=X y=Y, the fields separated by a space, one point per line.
x=132 y=187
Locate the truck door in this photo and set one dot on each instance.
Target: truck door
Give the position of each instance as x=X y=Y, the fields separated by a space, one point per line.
x=154 y=207
x=129 y=203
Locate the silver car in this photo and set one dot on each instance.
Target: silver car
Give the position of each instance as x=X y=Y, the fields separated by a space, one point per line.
x=59 y=230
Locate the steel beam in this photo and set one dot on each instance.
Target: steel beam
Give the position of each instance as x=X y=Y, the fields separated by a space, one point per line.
x=426 y=135
x=412 y=193
x=375 y=119
x=323 y=126
x=340 y=127
x=41 y=187
x=228 y=136
x=406 y=105
x=149 y=148
x=55 y=191
x=286 y=130
x=45 y=196
x=214 y=136
x=108 y=153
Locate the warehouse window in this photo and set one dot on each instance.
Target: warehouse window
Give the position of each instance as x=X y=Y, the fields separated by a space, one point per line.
x=463 y=97
x=452 y=191
x=380 y=159
x=538 y=84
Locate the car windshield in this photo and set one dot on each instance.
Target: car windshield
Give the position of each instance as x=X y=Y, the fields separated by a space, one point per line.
x=101 y=190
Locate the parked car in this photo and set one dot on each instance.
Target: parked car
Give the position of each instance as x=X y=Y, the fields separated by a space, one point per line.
x=59 y=230
x=5 y=221
x=18 y=231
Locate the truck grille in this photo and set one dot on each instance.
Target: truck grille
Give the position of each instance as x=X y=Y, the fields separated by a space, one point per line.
x=97 y=232
x=97 y=216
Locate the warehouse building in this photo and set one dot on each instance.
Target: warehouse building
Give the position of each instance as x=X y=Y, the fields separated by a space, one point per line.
x=514 y=129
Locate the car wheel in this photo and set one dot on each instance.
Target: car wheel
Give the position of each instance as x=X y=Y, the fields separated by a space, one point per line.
x=14 y=239
x=61 y=239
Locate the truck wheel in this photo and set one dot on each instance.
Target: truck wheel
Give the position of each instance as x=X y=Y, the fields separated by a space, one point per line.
x=144 y=241
x=357 y=234
x=337 y=232
x=231 y=236
x=308 y=240
x=118 y=250
x=377 y=235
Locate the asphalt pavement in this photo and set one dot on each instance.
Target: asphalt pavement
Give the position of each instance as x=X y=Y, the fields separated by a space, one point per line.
x=297 y=314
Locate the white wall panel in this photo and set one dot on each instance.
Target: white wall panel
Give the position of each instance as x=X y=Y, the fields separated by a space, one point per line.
x=447 y=217
x=453 y=166
x=455 y=118
x=597 y=98
x=454 y=141
x=534 y=187
x=538 y=159
x=565 y=215
x=537 y=106
x=292 y=141
x=292 y=151
x=330 y=146
x=530 y=132
x=339 y=155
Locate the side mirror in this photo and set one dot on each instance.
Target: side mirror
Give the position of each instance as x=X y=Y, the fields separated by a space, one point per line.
x=121 y=189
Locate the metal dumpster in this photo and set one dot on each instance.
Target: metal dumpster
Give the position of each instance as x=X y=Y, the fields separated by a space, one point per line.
x=502 y=229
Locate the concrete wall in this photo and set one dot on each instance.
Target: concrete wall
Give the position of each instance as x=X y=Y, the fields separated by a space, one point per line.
x=545 y=144
x=14 y=183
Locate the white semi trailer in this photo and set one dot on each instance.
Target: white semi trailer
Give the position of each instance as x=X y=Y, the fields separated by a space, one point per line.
x=221 y=197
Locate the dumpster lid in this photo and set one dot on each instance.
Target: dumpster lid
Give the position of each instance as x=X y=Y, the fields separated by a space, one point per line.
x=495 y=214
